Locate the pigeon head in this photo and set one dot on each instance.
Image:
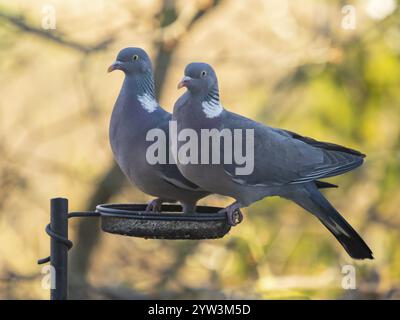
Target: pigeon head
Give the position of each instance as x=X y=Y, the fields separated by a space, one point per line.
x=132 y=61
x=201 y=81
x=199 y=78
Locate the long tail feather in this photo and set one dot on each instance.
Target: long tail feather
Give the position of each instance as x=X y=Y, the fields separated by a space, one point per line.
x=313 y=201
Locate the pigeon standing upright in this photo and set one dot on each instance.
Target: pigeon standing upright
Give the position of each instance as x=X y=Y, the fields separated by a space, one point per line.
x=136 y=111
x=286 y=164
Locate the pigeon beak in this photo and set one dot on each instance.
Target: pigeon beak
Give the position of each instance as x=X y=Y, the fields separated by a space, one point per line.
x=184 y=82
x=115 y=66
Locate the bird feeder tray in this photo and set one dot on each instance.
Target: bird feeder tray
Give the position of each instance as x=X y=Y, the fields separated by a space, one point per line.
x=132 y=220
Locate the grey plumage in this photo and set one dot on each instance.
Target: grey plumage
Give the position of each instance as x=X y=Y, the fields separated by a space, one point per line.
x=285 y=164
x=136 y=111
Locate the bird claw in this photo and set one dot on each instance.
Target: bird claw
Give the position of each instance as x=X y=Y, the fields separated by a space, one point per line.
x=234 y=215
x=154 y=206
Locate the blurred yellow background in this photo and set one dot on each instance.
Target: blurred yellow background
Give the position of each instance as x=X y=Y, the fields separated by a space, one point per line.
x=326 y=69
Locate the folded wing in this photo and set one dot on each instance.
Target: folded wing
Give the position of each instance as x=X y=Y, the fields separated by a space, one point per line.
x=284 y=157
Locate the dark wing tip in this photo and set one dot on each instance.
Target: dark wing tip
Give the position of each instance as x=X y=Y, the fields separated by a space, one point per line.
x=324 y=184
x=325 y=145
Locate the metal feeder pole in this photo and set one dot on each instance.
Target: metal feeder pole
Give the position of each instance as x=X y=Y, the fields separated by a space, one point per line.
x=58 y=250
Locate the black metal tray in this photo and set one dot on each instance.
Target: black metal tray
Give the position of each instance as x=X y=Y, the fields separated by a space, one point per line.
x=171 y=223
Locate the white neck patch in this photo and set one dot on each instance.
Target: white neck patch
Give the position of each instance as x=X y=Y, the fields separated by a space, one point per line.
x=212 y=108
x=148 y=102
